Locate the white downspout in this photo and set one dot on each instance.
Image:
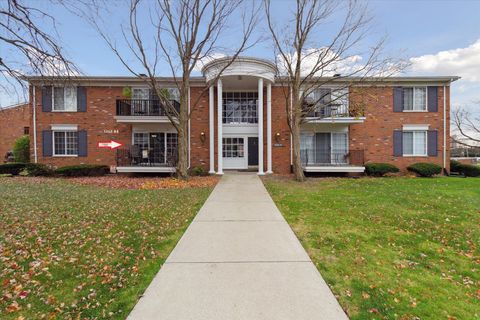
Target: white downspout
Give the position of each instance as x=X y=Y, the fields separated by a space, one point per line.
x=34 y=113
x=444 y=128
x=189 y=131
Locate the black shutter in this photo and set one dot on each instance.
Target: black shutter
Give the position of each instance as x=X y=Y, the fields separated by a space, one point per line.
x=47 y=99
x=81 y=99
x=82 y=143
x=397 y=143
x=432 y=143
x=398 y=99
x=47 y=143
x=432 y=99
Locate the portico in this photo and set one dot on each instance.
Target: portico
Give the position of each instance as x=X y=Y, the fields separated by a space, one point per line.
x=243 y=102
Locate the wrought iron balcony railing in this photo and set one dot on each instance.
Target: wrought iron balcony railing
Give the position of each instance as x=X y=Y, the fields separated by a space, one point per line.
x=313 y=157
x=147 y=157
x=330 y=111
x=143 y=107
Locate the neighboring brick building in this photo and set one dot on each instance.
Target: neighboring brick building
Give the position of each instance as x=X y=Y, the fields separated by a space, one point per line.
x=399 y=120
x=14 y=122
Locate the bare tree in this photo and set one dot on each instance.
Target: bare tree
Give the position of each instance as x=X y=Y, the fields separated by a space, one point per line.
x=467 y=126
x=308 y=57
x=182 y=35
x=27 y=46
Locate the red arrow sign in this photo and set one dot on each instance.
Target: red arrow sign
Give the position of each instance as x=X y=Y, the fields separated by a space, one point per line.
x=111 y=145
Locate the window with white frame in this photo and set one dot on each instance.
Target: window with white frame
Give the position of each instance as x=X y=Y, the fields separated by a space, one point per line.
x=240 y=107
x=233 y=147
x=64 y=98
x=415 y=99
x=65 y=143
x=415 y=143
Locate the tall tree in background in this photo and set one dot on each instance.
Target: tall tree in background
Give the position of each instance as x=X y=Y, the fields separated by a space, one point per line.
x=467 y=126
x=182 y=35
x=30 y=45
x=309 y=55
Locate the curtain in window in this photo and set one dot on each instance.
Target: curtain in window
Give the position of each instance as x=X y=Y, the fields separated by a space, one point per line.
x=58 y=98
x=71 y=98
x=408 y=143
x=306 y=147
x=420 y=143
x=407 y=98
x=420 y=98
x=339 y=147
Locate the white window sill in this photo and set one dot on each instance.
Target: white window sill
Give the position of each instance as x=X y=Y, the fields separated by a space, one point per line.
x=414 y=111
x=64 y=110
x=65 y=155
x=239 y=124
x=415 y=155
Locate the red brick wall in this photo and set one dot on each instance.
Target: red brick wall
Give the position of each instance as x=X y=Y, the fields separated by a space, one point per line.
x=12 y=123
x=375 y=136
x=98 y=121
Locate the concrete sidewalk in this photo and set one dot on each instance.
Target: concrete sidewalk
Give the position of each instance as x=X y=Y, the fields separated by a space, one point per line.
x=238 y=259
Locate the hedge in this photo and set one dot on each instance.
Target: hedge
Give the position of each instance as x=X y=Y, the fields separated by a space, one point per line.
x=380 y=169
x=470 y=170
x=13 y=168
x=83 y=170
x=38 y=169
x=425 y=169
x=455 y=166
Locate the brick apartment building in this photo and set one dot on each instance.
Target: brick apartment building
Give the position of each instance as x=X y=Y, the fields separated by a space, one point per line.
x=240 y=122
x=14 y=122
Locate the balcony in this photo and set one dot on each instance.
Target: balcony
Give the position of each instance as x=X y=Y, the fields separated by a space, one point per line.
x=137 y=159
x=332 y=113
x=333 y=161
x=143 y=110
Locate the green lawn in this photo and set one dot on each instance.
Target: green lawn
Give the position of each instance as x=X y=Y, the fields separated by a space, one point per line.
x=82 y=252
x=391 y=248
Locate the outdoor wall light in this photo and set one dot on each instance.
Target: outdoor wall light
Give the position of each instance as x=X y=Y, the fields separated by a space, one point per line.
x=202 y=137
x=277 y=136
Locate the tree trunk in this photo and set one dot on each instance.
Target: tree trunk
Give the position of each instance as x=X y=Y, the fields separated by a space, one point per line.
x=297 y=160
x=182 y=165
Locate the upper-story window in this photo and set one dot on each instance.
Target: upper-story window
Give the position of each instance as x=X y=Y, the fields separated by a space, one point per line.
x=240 y=107
x=141 y=93
x=415 y=99
x=64 y=98
x=327 y=102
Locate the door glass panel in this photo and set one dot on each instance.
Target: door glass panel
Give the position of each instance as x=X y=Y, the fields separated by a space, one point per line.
x=322 y=147
x=339 y=148
x=157 y=147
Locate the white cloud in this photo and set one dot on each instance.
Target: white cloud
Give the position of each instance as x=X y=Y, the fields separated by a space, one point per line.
x=333 y=64
x=464 y=62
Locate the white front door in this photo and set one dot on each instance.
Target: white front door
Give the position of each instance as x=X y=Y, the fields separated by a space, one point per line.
x=234 y=155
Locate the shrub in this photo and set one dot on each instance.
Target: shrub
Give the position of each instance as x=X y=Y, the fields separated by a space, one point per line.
x=380 y=169
x=37 y=169
x=425 y=169
x=470 y=170
x=198 y=171
x=83 y=170
x=21 y=149
x=13 y=168
x=455 y=166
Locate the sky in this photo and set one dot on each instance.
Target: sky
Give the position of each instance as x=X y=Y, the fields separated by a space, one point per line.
x=438 y=38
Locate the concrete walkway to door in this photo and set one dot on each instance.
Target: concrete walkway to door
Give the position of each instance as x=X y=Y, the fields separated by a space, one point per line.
x=238 y=259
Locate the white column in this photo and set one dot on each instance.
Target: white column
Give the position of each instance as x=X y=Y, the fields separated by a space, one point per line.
x=269 y=127
x=211 y=129
x=219 y=129
x=260 y=126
